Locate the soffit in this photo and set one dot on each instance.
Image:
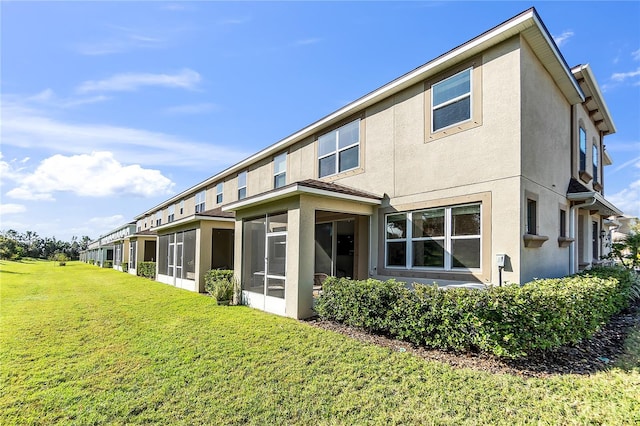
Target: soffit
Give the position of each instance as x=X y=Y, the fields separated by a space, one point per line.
x=594 y=101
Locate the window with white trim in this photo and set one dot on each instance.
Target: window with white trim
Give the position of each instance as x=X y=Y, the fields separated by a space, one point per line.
x=242 y=185
x=583 y=149
x=595 y=163
x=445 y=238
x=451 y=101
x=181 y=207
x=200 y=201
x=159 y=218
x=339 y=149
x=280 y=170
x=171 y=214
x=532 y=217
x=219 y=189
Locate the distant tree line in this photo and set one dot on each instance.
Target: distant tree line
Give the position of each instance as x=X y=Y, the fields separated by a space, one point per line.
x=15 y=245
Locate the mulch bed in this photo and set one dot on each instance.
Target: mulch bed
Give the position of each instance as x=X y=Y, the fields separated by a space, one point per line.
x=586 y=357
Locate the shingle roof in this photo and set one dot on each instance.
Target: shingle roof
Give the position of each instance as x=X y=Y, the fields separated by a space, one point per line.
x=145 y=232
x=576 y=187
x=217 y=212
x=334 y=187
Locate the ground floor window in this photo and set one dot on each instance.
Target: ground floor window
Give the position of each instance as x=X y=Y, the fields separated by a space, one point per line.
x=443 y=238
x=177 y=254
x=265 y=254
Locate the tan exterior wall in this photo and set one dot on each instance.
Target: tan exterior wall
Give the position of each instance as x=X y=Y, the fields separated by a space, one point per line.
x=546 y=167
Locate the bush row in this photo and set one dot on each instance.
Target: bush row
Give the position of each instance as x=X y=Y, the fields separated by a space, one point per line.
x=507 y=321
x=146 y=269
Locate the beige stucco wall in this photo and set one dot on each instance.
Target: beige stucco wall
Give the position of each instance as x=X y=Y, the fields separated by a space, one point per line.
x=546 y=166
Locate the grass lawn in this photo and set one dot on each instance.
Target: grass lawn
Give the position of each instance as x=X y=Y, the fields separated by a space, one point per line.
x=83 y=345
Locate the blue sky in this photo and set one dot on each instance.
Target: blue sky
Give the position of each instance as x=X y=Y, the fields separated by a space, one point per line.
x=109 y=108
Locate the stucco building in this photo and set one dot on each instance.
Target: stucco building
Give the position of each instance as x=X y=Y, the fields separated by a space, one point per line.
x=483 y=165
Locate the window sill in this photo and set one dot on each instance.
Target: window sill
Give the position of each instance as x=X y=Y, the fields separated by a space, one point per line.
x=585 y=176
x=565 y=241
x=597 y=187
x=534 y=241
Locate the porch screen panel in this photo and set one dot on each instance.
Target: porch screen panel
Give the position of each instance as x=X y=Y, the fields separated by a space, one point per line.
x=171 y=257
x=163 y=254
x=132 y=254
x=253 y=246
x=189 y=250
x=324 y=248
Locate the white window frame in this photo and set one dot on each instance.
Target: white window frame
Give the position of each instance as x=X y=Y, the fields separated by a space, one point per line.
x=181 y=207
x=469 y=94
x=279 y=159
x=338 y=150
x=242 y=184
x=171 y=214
x=219 y=192
x=594 y=161
x=201 y=201
x=448 y=239
x=159 y=218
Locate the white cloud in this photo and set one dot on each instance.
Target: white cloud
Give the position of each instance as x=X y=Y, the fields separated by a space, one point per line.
x=307 y=41
x=622 y=76
x=200 y=108
x=96 y=175
x=628 y=200
x=636 y=55
x=633 y=161
x=48 y=98
x=127 y=82
x=123 y=39
x=562 y=38
x=12 y=209
x=26 y=127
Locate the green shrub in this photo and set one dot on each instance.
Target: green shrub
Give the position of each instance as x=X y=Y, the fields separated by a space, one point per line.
x=61 y=258
x=125 y=267
x=147 y=270
x=108 y=264
x=91 y=262
x=507 y=321
x=363 y=303
x=220 y=284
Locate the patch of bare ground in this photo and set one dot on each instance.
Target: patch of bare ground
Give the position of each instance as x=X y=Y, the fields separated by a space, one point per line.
x=586 y=357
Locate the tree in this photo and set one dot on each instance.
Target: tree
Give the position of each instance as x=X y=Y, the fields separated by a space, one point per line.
x=627 y=251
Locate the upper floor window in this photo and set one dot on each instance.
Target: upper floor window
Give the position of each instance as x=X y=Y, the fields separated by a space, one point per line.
x=242 y=185
x=451 y=100
x=595 y=163
x=219 y=188
x=563 y=223
x=200 y=201
x=339 y=150
x=280 y=170
x=159 y=218
x=583 y=149
x=172 y=213
x=181 y=207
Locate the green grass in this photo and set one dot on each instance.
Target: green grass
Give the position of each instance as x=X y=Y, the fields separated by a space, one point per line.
x=84 y=345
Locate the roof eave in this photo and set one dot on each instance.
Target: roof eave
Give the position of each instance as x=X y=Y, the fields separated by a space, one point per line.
x=528 y=20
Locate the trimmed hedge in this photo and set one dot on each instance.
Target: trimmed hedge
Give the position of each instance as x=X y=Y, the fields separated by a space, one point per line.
x=219 y=284
x=108 y=264
x=506 y=321
x=147 y=270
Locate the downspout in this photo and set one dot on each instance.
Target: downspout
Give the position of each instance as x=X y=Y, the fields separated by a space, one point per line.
x=572 y=233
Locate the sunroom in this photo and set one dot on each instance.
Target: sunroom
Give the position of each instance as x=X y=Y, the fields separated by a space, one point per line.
x=288 y=238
